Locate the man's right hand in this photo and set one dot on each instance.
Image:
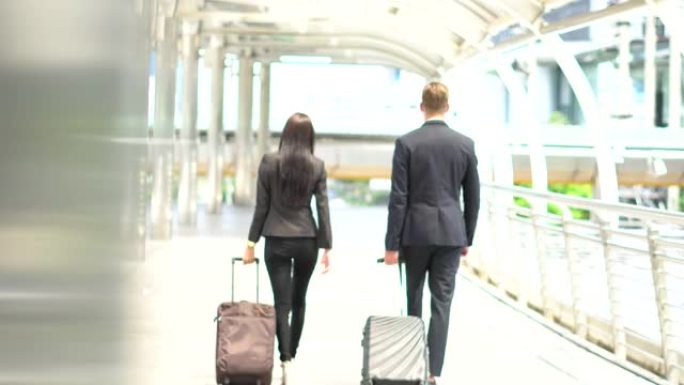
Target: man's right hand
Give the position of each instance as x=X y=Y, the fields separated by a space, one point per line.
x=391 y=257
x=464 y=251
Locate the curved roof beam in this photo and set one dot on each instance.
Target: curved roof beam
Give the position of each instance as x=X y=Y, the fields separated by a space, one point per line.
x=437 y=15
x=607 y=174
x=476 y=8
x=424 y=67
x=337 y=41
x=574 y=22
x=521 y=10
x=470 y=28
x=440 y=50
x=348 y=57
x=435 y=59
x=443 y=32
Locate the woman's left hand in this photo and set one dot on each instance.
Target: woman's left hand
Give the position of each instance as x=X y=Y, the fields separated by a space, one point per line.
x=325 y=261
x=248 y=257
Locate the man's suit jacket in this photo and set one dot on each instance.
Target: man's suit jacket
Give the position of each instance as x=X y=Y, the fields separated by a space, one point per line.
x=430 y=167
x=275 y=217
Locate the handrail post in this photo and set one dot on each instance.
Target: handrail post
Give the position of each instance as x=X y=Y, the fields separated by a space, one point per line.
x=482 y=265
x=618 y=327
x=501 y=240
x=476 y=261
x=668 y=343
x=541 y=260
x=519 y=258
x=574 y=267
x=494 y=254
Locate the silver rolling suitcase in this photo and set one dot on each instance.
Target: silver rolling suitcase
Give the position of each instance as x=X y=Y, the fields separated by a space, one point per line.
x=394 y=350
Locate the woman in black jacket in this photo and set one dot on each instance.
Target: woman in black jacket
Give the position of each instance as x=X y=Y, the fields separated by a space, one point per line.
x=286 y=183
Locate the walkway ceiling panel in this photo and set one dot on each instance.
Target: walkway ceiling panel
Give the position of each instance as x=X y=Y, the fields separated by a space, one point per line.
x=432 y=34
x=526 y=9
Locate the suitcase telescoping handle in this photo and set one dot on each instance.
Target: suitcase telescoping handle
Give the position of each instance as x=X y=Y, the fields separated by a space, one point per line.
x=401 y=269
x=232 y=287
x=401 y=277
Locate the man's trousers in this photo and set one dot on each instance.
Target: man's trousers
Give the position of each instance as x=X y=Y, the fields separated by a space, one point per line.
x=441 y=264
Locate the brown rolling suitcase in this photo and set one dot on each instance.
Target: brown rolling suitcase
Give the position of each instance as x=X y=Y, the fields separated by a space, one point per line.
x=244 y=340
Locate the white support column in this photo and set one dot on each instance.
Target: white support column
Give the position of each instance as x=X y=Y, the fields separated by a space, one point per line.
x=625 y=100
x=597 y=122
x=163 y=133
x=215 y=135
x=607 y=178
x=244 y=189
x=673 y=194
x=540 y=179
x=675 y=115
x=502 y=227
x=524 y=98
x=503 y=161
x=671 y=13
x=493 y=143
x=539 y=175
x=264 y=135
x=650 y=74
x=533 y=129
x=187 y=189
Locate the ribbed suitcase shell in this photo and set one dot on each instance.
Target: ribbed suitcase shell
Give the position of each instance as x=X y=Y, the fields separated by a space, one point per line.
x=394 y=351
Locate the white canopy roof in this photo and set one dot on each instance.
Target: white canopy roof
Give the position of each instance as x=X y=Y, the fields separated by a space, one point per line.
x=425 y=36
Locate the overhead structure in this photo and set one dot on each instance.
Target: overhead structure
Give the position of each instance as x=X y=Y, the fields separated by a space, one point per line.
x=425 y=36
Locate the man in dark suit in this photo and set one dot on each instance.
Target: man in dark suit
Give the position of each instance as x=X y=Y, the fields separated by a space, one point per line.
x=431 y=166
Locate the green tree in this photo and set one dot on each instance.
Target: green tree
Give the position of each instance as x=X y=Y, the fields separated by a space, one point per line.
x=573 y=189
x=558 y=118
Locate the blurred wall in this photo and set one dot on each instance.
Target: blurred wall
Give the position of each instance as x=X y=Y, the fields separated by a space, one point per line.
x=73 y=101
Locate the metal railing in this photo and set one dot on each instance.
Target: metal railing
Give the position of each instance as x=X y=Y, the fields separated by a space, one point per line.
x=620 y=287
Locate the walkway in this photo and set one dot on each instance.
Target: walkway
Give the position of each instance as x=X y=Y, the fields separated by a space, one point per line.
x=183 y=280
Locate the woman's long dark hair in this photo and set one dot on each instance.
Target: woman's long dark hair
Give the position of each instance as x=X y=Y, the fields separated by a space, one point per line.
x=296 y=159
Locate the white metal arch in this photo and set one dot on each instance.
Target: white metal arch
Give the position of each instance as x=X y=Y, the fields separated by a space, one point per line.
x=312 y=42
x=443 y=30
x=415 y=62
x=607 y=175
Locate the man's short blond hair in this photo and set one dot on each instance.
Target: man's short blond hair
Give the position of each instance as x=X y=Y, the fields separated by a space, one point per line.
x=435 y=97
